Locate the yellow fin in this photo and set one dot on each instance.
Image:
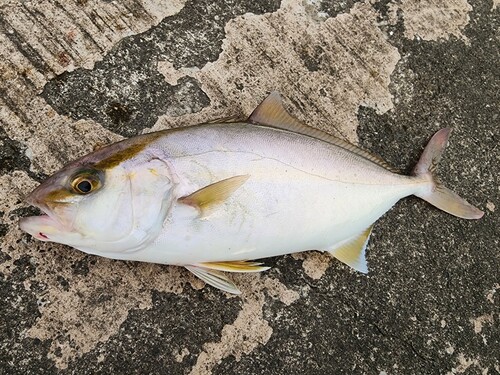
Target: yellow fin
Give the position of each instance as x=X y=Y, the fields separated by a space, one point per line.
x=214 y=193
x=352 y=251
x=235 y=266
x=272 y=113
x=215 y=278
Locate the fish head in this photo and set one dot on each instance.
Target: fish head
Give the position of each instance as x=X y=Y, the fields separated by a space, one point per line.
x=99 y=204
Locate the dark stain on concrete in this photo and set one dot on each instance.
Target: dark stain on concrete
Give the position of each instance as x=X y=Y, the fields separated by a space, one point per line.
x=149 y=339
x=12 y=154
x=334 y=7
x=81 y=266
x=4 y=228
x=126 y=93
x=24 y=212
x=13 y=157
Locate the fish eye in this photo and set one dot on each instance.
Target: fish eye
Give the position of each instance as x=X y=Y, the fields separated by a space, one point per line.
x=85 y=183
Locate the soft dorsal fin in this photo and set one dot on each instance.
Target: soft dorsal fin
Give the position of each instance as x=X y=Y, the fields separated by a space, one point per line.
x=214 y=193
x=215 y=278
x=235 y=266
x=352 y=251
x=272 y=113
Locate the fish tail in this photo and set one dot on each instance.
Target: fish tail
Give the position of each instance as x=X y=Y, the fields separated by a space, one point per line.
x=436 y=194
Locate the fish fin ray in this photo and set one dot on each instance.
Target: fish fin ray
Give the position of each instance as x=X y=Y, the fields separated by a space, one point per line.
x=226 y=120
x=352 y=251
x=214 y=278
x=235 y=266
x=272 y=113
x=214 y=193
x=440 y=196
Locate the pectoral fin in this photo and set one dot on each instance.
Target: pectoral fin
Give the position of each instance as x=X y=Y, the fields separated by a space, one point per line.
x=235 y=266
x=352 y=251
x=215 y=278
x=214 y=193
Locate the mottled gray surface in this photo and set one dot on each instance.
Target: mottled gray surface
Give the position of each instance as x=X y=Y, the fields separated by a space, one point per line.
x=430 y=304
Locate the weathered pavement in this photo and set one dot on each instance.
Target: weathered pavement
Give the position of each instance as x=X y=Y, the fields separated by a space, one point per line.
x=386 y=74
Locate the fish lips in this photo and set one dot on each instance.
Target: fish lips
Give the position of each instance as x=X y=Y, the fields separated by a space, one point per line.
x=41 y=227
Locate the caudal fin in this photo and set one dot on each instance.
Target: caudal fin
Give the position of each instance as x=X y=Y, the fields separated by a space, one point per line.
x=440 y=196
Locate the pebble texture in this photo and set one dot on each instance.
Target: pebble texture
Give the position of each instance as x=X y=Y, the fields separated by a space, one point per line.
x=386 y=74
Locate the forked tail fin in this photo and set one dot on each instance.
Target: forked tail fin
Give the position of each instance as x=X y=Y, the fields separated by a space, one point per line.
x=440 y=196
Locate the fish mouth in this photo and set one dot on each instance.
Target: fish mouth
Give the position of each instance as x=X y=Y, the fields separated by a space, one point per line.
x=42 y=227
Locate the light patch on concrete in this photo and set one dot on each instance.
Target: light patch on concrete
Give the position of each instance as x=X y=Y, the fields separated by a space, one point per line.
x=490 y=296
x=179 y=356
x=278 y=291
x=250 y=329
x=479 y=322
x=315 y=264
x=168 y=70
x=490 y=206
x=432 y=19
x=73 y=33
x=324 y=69
x=464 y=364
x=495 y=5
x=53 y=140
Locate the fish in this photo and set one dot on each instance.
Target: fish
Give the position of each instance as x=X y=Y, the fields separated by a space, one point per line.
x=222 y=196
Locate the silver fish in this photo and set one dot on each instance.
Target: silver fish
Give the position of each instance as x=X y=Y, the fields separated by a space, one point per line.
x=214 y=197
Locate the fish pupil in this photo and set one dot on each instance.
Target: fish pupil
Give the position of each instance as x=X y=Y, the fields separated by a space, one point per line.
x=84 y=186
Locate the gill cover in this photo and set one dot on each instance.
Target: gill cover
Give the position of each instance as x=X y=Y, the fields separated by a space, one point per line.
x=127 y=213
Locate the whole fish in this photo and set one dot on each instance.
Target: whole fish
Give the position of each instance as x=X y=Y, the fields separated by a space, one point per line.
x=215 y=197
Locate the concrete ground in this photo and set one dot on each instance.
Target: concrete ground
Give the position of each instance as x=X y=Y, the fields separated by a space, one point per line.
x=386 y=74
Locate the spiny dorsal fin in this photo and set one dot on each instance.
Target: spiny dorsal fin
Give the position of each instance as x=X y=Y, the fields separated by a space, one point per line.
x=235 y=266
x=352 y=251
x=272 y=113
x=214 y=193
x=228 y=119
x=215 y=278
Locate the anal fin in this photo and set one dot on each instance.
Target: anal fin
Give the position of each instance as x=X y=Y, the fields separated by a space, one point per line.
x=352 y=251
x=235 y=266
x=214 y=278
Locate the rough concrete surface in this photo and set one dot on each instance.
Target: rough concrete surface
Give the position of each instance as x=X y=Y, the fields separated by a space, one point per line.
x=386 y=74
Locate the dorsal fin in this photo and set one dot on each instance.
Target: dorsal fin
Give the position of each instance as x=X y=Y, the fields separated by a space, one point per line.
x=272 y=113
x=227 y=119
